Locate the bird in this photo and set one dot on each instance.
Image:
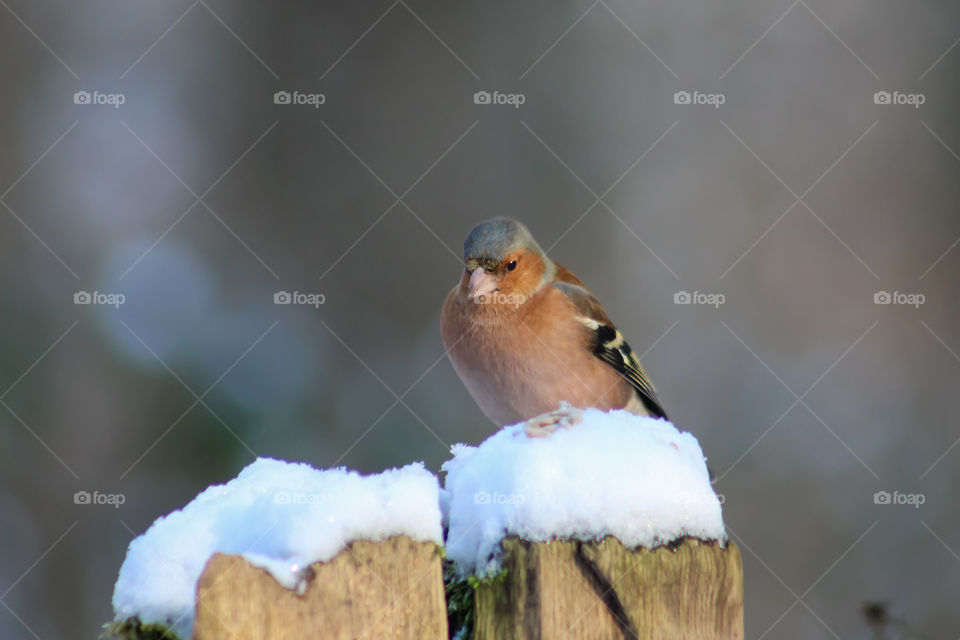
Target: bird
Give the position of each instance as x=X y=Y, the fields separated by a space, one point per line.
x=530 y=342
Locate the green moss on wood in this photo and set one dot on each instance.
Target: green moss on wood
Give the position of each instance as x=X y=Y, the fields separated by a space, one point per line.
x=461 y=593
x=134 y=629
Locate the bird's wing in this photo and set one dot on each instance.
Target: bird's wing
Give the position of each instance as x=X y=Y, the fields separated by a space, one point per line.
x=607 y=343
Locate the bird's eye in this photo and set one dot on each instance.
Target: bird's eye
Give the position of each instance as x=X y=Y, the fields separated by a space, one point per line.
x=511 y=265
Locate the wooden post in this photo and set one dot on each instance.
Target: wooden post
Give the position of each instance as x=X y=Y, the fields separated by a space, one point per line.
x=389 y=589
x=588 y=590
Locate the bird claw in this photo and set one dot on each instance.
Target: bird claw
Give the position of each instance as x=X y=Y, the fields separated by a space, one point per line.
x=543 y=425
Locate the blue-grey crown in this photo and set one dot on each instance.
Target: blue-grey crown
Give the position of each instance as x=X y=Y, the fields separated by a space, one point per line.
x=495 y=238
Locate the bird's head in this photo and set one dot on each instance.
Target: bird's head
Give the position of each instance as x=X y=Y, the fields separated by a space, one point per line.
x=504 y=264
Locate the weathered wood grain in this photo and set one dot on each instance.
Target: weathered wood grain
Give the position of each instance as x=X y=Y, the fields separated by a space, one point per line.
x=389 y=589
x=581 y=590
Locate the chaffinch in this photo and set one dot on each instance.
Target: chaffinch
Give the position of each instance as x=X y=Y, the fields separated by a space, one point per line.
x=525 y=335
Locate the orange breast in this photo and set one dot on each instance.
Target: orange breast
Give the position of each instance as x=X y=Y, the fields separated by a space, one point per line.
x=520 y=362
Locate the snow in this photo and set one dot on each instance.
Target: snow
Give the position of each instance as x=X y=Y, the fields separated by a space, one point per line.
x=638 y=479
x=611 y=474
x=280 y=516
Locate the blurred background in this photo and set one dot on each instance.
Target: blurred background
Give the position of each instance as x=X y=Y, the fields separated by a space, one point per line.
x=790 y=171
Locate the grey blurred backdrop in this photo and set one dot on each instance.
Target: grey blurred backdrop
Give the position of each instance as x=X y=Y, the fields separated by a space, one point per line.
x=798 y=199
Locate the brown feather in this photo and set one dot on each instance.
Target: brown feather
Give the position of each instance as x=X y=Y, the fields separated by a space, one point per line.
x=539 y=339
x=520 y=361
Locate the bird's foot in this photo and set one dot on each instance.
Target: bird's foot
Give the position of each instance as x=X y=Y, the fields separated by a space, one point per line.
x=543 y=425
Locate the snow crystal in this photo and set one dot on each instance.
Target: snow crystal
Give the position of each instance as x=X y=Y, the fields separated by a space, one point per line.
x=638 y=479
x=281 y=516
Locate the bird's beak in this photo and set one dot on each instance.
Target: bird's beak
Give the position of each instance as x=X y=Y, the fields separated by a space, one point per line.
x=481 y=283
